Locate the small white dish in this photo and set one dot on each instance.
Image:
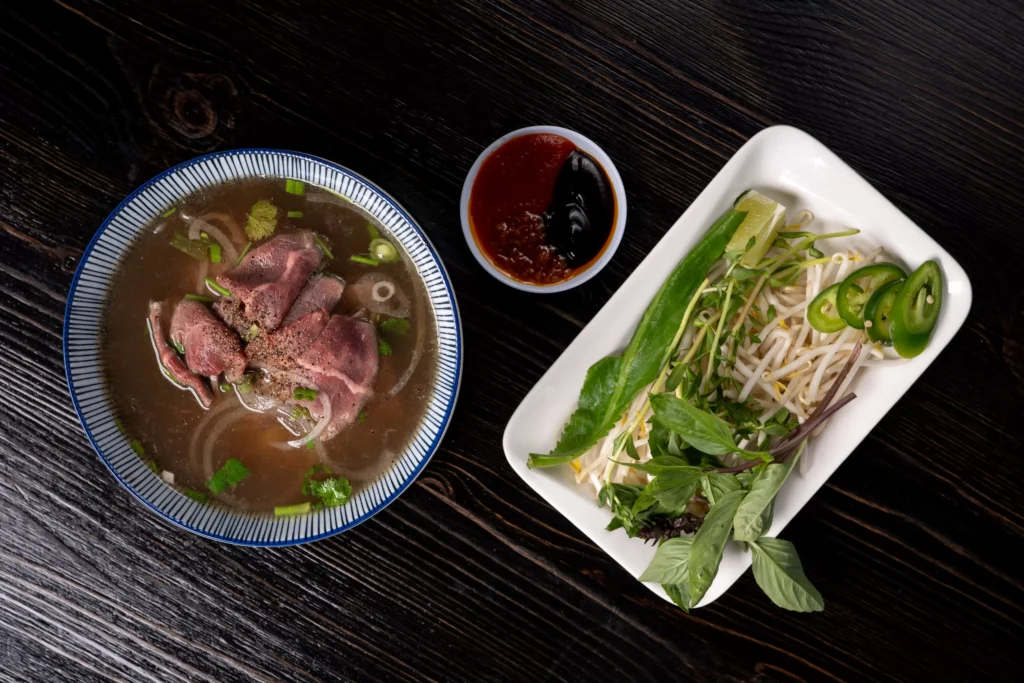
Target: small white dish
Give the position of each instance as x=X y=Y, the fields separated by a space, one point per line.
x=794 y=168
x=590 y=147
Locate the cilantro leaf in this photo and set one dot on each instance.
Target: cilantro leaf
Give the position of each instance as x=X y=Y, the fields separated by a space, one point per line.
x=262 y=220
x=396 y=326
x=228 y=476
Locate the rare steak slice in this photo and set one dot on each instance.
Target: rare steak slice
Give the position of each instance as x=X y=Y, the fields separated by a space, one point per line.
x=171 y=364
x=342 y=364
x=277 y=350
x=210 y=347
x=321 y=292
x=268 y=280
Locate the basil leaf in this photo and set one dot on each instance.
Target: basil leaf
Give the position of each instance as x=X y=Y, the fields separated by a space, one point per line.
x=709 y=544
x=670 y=563
x=778 y=572
x=675 y=377
x=706 y=432
x=715 y=485
x=600 y=381
x=754 y=516
x=680 y=594
x=613 y=382
x=672 y=490
x=621 y=498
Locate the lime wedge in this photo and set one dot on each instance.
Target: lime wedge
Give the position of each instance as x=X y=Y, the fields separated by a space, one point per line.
x=765 y=217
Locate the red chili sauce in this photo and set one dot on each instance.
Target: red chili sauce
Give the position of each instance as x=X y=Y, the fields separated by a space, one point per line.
x=540 y=210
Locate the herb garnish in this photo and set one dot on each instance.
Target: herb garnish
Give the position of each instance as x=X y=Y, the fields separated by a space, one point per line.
x=331 y=492
x=261 y=221
x=228 y=476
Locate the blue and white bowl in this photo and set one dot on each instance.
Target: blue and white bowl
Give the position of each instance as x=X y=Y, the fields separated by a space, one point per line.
x=83 y=321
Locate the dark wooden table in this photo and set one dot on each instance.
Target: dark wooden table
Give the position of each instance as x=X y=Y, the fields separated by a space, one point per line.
x=470 y=576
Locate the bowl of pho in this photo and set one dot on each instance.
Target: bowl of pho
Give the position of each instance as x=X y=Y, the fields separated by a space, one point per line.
x=262 y=346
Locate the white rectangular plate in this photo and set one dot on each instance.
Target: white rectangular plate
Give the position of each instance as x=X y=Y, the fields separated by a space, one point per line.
x=797 y=170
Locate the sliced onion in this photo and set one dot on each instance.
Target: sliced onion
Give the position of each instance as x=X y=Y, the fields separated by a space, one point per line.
x=204 y=270
x=417 y=352
x=253 y=401
x=197 y=226
x=321 y=425
x=382 y=291
x=193 y=446
x=365 y=291
x=208 y=445
x=228 y=221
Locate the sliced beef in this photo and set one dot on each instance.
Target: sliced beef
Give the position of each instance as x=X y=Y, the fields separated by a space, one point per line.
x=232 y=312
x=170 y=361
x=210 y=347
x=322 y=292
x=268 y=280
x=342 y=363
x=277 y=350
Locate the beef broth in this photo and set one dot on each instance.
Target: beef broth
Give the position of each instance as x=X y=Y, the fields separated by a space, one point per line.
x=295 y=328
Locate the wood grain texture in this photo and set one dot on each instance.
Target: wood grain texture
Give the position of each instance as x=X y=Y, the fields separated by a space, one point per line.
x=470 y=576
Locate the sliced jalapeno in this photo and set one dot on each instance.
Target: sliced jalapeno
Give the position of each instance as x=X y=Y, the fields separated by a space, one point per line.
x=915 y=310
x=850 y=303
x=877 y=312
x=822 y=314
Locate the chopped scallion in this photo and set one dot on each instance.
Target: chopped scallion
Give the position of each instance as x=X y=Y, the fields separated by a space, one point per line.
x=383 y=251
x=294 y=186
x=212 y=284
x=178 y=346
x=294 y=214
x=248 y=246
x=288 y=510
x=384 y=348
x=373 y=231
x=323 y=247
x=151 y=464
x=300 y=413
x=119 y=424
x=362 y=416
x=304 y=394
x=201 y=298
x=169 y=212
x=215 y=253
x=398 y=326
x=310 y=445
x=197 y=496
x=365 y=260
x=137 y=447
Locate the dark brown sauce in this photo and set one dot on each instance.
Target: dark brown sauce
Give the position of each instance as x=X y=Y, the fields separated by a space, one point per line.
x=541 y=210
x=164 y=419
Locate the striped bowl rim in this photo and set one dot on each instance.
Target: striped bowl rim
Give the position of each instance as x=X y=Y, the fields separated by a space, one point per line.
x=83 y=357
